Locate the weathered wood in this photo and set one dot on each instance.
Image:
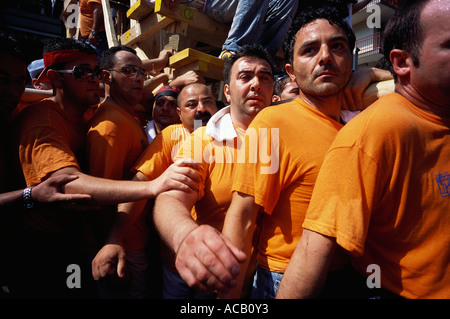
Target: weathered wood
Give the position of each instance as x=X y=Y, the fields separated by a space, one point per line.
x=144 y=29
x=190 y=59
x=140 y=9
x=109 y=25
x=194 y=19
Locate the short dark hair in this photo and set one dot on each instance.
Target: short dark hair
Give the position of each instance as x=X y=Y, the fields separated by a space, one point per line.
x=10 y=45
x=61 y=44
x=280 y=83
x=251 y=50
x=108 y=57
x=309 y=15
x=404 y=31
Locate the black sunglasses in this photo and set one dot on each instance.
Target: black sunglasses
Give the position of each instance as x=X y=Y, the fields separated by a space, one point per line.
x=83 y=72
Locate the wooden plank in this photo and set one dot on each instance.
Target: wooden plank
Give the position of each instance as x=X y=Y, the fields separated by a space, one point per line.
x=194 y=18
x=140 y=9
x=109 y=25
x=190 y=59
x=144 y=29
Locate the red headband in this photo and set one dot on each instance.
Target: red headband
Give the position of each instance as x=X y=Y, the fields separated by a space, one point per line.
x=57 y=57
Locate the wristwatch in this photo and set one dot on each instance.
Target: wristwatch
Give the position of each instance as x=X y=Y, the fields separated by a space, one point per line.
x=27 y=199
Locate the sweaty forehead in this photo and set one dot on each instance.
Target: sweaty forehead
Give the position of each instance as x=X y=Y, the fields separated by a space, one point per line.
x=317 y=30
x=127 y=58
x=251 y=64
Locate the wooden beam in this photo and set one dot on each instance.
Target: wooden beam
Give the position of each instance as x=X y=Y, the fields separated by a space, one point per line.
x=144 y=29
x=194 y=18
x=190 y=59
x=140 y=9
x=109 y=25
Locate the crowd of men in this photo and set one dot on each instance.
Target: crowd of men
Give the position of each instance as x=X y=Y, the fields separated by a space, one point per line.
x=291 y=199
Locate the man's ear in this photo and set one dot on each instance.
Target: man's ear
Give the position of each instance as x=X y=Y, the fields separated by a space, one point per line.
x=55 y=78
x=106 y=77
x=401 y=62
x=276 y=98
x=290 y=71
x=226 y=91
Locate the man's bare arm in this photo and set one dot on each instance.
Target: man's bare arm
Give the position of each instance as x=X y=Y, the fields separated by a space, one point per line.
x=46 y=192
x=205 y=259
x=239 y=227
x=111 y=257
x=307 y=270
x=105 y=191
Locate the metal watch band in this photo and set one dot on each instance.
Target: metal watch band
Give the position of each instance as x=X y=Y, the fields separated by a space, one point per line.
x=27 y=199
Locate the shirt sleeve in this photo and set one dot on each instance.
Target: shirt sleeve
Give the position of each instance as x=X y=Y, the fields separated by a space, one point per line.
x=43 y=151
x=344 y=197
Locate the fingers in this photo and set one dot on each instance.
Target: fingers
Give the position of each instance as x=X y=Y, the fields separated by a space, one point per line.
x=121 y=265
x=106 y=260
x=207 y=262
x=183 y=176
x=101 y=268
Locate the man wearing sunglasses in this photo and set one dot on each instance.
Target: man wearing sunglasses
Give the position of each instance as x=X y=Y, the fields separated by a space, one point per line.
x=52 y=136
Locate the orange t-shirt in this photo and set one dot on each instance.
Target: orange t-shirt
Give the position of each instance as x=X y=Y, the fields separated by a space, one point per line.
x=50 y=139
x=217 y=171
x=297 y=144
x=87 y=17
x=383 y=193
x=115 y=140
x=159 y=155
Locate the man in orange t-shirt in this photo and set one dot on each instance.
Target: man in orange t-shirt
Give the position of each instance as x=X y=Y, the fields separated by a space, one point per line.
x=52 y=134
x=195 y=102
x=92 y=25
x=383 y=191
x=115 y=140
x=320 y=45
x=186 y=221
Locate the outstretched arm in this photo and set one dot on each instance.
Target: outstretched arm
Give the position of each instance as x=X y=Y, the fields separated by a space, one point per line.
x=46 y=192
x=205 y=259
x=111 y=256
x=180 y=176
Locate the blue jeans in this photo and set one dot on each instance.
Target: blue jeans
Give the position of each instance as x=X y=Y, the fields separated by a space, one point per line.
x=102 y=43
x=264 y=22
x=174 y=287
x=265 y=283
